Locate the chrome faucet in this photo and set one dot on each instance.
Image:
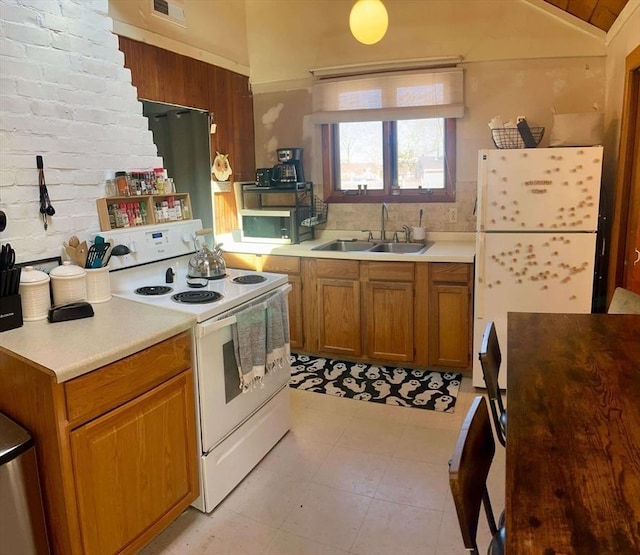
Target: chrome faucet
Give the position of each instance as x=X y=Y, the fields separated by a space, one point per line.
x=407 y=232
x=384 y=210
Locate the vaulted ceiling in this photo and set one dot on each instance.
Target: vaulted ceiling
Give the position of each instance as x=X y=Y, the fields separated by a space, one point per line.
x=600 y=13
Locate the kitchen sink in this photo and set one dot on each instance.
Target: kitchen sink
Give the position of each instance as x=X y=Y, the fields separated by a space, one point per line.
x=372 y=246
x=402 y=248
x=345 y=246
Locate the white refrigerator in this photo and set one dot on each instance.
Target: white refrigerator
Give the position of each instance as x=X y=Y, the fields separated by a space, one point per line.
x=537 y=217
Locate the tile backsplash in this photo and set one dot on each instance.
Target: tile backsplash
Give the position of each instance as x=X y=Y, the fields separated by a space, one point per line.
x=358 y=217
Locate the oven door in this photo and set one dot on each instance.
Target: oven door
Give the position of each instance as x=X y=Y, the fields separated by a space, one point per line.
x=223 y=405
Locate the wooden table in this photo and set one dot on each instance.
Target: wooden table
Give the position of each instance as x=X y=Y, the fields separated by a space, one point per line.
x=573 y=434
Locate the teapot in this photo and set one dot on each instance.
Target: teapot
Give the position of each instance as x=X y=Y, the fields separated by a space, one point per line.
x=207 y=263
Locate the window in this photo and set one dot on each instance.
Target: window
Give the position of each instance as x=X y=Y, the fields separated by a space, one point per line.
x=398 y=161
x=392 y=134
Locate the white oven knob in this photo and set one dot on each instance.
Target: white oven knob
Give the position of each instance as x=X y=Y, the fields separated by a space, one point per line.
x=132 y=246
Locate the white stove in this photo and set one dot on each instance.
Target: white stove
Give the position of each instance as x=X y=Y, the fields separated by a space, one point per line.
x=236 y=428
x=125 y=283
x=165 y=249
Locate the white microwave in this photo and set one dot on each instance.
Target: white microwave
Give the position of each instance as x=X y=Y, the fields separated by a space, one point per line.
x=270 y=226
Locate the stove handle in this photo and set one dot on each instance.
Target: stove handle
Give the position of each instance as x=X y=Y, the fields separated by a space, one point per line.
x=206 y=328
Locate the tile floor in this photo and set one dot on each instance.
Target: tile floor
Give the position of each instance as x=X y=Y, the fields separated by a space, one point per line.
x=351 y=477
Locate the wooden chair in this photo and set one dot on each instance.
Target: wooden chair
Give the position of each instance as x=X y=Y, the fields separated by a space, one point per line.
x=468 y=471
x=490 y=359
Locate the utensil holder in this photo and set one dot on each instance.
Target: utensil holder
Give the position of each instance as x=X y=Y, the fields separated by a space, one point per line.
x=98 y=285
x=418 y=233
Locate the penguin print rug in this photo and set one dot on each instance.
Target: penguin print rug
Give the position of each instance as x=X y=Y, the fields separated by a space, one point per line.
x=404 y=387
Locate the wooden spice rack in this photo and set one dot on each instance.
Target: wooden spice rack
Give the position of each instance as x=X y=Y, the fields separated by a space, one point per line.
x=149 y=202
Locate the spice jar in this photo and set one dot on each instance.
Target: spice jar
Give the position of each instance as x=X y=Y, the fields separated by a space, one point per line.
x=34 y=294
x=122 y=184
x=69 y=283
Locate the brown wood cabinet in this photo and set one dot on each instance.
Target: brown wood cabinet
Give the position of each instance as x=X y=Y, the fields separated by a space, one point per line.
x=337 y=290
x=116 y=447
x=375 y=311
x=388 y=310
x=450 y=317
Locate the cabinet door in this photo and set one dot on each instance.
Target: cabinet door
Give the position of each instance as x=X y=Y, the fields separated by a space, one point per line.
x=388 y=315
x=296 y=336
x=136 y=467
x=339 y=313
x=449 y=325
x=289 y=265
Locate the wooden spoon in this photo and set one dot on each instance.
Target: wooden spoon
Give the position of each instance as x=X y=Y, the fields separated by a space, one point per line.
x=81 y=254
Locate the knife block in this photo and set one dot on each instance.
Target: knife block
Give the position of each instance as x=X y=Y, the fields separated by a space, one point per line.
x=10 y=312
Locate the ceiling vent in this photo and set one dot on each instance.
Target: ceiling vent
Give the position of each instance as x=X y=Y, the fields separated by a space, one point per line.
x=173 y=10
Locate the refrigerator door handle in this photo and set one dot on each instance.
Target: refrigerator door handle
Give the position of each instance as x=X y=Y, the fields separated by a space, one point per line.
x=480 y=262
x=481 y=200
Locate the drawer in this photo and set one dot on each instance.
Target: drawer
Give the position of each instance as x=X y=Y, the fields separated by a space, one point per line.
x=450 y=272
x=240 y=261
x=337 y=269
x=110 y=386
x=280 y=264
x=387 y=271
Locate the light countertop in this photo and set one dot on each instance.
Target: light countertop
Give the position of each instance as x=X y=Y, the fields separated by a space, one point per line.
x=448 y=247
x=119 y=328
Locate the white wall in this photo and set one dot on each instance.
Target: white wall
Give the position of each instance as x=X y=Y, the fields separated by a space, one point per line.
x=66 y=96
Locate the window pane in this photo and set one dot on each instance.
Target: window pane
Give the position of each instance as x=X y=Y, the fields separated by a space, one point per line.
x=360 y=157
x=421 y=155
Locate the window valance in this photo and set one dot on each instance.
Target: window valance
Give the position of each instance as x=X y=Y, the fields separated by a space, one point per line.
x=435 y=93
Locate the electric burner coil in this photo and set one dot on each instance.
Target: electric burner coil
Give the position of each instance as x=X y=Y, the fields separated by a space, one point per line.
x=249 y=279
x=197 y=297
x=153 y=290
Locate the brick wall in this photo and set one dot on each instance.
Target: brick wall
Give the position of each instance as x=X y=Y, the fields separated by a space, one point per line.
x=66 y=95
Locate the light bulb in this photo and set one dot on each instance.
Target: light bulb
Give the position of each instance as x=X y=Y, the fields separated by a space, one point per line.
x=368 y=21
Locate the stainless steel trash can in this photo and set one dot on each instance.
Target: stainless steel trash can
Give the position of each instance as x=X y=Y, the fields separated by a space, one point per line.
x=22 y=526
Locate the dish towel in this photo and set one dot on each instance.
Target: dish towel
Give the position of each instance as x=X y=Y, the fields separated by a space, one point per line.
x=278 y=348
x=261 y=339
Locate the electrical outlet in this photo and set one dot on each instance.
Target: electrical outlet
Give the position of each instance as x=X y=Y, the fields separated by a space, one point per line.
x=453 y=215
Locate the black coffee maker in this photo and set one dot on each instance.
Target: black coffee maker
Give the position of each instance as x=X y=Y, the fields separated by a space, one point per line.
x=288 y=171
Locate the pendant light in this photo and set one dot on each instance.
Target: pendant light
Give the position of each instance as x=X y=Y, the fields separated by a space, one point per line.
x=368 y=21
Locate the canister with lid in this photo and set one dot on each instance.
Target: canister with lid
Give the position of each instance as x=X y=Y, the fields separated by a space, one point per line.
x=69 y=283
x=34 y=294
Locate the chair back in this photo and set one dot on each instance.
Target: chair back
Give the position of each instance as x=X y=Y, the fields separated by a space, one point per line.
x=468 y=471
x=490 y=360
